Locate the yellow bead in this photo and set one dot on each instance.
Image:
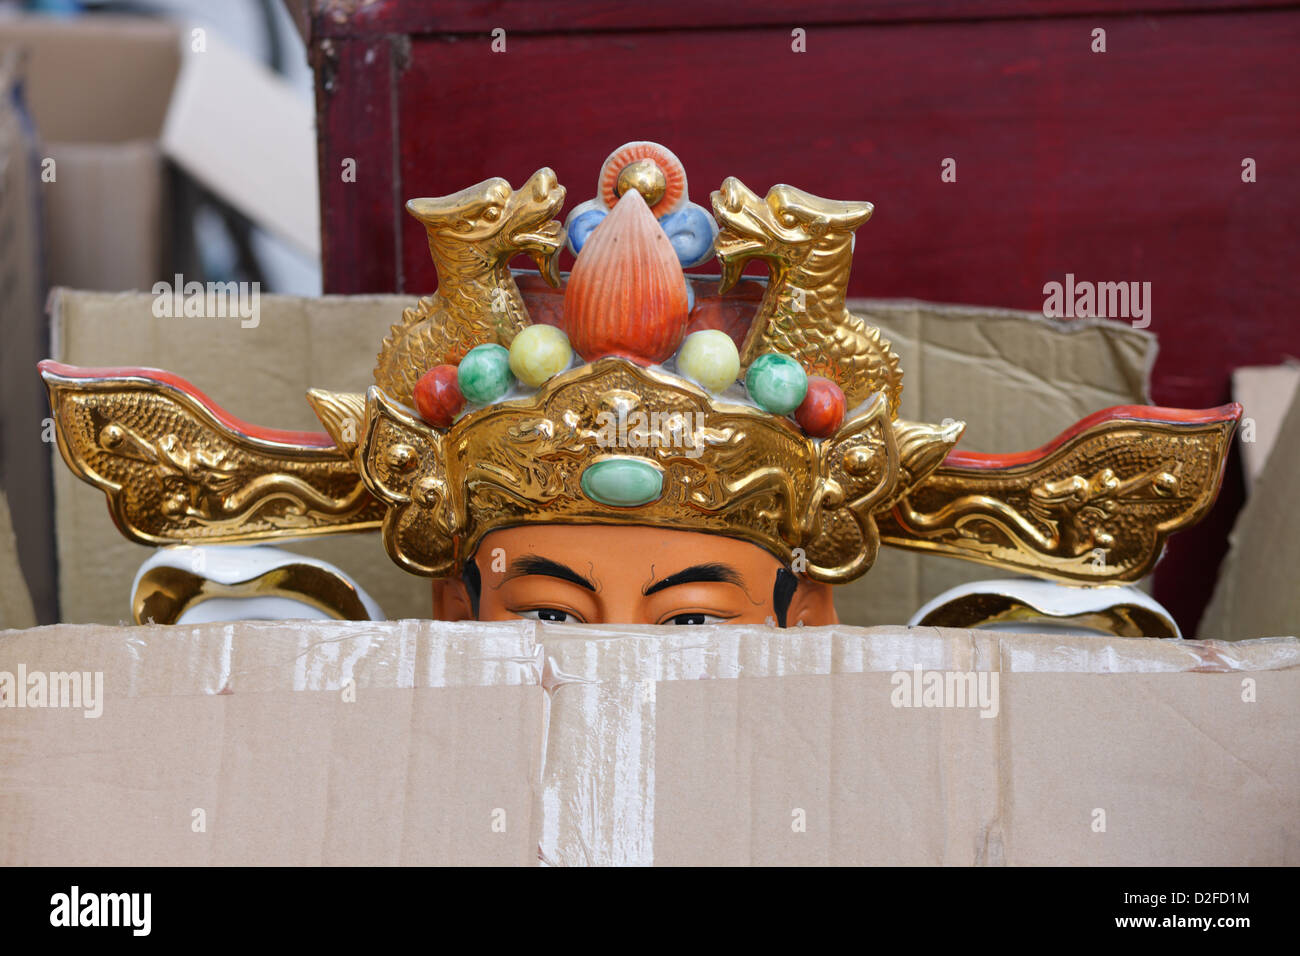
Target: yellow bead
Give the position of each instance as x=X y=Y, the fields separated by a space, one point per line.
x=709 y=357
x=538 y=352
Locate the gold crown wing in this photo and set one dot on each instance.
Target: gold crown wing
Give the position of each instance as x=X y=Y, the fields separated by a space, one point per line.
x=177 y=469
x=1095 y=506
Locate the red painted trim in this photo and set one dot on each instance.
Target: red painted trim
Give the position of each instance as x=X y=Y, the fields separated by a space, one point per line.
x=1118 y=413
x=274 y=436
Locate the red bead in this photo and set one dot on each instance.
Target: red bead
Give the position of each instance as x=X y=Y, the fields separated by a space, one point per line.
x=822 y=411
x=437 y=396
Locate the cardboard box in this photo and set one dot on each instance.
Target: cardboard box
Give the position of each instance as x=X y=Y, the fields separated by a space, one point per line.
x=144 y=90
x=1258 y=591
x=100 y=125
x=1020 y=377
x=422 y=742
x=1266 y=392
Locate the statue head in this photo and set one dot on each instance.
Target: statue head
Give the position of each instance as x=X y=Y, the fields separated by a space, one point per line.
x=636 y=444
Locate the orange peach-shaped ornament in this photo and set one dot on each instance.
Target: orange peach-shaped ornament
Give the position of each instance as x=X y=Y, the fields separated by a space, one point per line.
x=627 y=292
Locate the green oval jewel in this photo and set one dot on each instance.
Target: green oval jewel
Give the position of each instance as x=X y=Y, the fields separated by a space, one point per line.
x=777 y=383
x=622 y=482
x=484 y=374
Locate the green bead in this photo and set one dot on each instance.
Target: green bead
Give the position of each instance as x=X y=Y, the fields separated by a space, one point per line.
x=484 y=374
x=622 y=482
x=777 y=383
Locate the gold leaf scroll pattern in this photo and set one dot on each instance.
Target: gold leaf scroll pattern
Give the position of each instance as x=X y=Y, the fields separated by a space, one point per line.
x=1098 y=510
x=173 y=473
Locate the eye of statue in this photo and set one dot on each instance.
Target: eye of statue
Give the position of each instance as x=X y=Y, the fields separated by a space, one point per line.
x=789 y=219
x=492 y=213
x=694 y=617
x=551 y=614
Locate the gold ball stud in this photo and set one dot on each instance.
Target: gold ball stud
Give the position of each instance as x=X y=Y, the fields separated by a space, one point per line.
x=402 y=458
x=645 y=177
x=111 y=437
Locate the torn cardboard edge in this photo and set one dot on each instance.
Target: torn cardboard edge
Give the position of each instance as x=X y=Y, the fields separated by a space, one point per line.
x=264 y=656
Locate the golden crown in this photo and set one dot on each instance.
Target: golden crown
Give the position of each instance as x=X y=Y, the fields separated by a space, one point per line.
x=690 y=463
x=764 y=411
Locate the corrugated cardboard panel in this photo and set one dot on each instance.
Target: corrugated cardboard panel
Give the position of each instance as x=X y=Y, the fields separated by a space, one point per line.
x=752 y=746
x=1185 y=771
x=102 y=191
x=241 y=744
x=101 y=79
x=516 y=741
x=817 y=770
x=989 y=366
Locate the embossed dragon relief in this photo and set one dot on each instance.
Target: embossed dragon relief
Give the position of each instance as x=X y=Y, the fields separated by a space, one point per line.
x=1098 y=510
x=807 y=243
x=473 y=235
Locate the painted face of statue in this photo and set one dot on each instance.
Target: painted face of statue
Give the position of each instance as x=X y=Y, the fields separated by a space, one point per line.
x=602 y=574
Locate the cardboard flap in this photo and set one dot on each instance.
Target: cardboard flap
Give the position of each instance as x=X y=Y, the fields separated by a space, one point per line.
x=1257 y=594
x=513 y=742
x=244 y=133
x=101 y=79
x=741 y=746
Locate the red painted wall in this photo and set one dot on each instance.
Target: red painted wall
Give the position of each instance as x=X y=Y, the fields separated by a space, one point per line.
x=1117 y=166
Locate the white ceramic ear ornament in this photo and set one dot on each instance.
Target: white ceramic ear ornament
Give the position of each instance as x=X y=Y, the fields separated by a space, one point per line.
x=1031 y=606
x=194 y=585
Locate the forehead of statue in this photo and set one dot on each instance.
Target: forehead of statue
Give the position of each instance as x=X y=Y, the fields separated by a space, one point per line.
x=621 y=556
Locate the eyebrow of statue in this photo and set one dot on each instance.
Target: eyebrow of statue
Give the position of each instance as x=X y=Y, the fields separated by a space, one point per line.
x=698 y=574
x=533 y=564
